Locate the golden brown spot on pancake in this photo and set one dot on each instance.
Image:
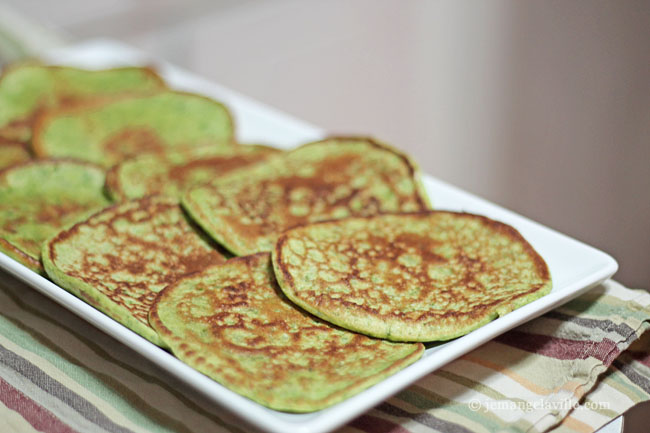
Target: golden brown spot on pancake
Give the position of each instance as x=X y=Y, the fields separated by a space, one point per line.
x=55 y=212
x=5 y=141
x=65 y=100
x=216 y=165
x=132 y=141
x=20 y=129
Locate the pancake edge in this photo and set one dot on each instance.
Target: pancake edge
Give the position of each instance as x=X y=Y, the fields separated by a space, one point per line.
x=15 y=253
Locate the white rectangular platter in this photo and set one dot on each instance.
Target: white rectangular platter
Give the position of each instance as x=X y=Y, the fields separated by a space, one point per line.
x=575 y=267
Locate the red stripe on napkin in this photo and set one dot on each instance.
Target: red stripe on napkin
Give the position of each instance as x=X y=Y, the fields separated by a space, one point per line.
x=39 y=417
x=561 y=348
x=372 y=424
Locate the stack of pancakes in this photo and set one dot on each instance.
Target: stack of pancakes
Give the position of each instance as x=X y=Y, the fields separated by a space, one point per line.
x=296 y=279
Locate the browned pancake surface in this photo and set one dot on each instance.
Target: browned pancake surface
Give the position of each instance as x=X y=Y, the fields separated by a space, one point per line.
x=232 y=323
x=121 y=257
x=333 y=178
x=174 y=171
x=410 y=277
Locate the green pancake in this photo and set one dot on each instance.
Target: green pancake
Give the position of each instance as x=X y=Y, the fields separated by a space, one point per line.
x=232 y=323
x=410 y=277
x=109 y=132
x=121 y=257
x=12 y=152
x=174 y=171
x=334 y=178
x=39 y=198
x=27 y=89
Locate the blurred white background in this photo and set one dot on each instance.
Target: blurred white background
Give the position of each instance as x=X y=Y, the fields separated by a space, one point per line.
x=543 y=107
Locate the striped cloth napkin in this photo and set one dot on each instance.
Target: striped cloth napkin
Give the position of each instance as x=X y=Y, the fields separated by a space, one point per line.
x=544 y=375
x=60 y=374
